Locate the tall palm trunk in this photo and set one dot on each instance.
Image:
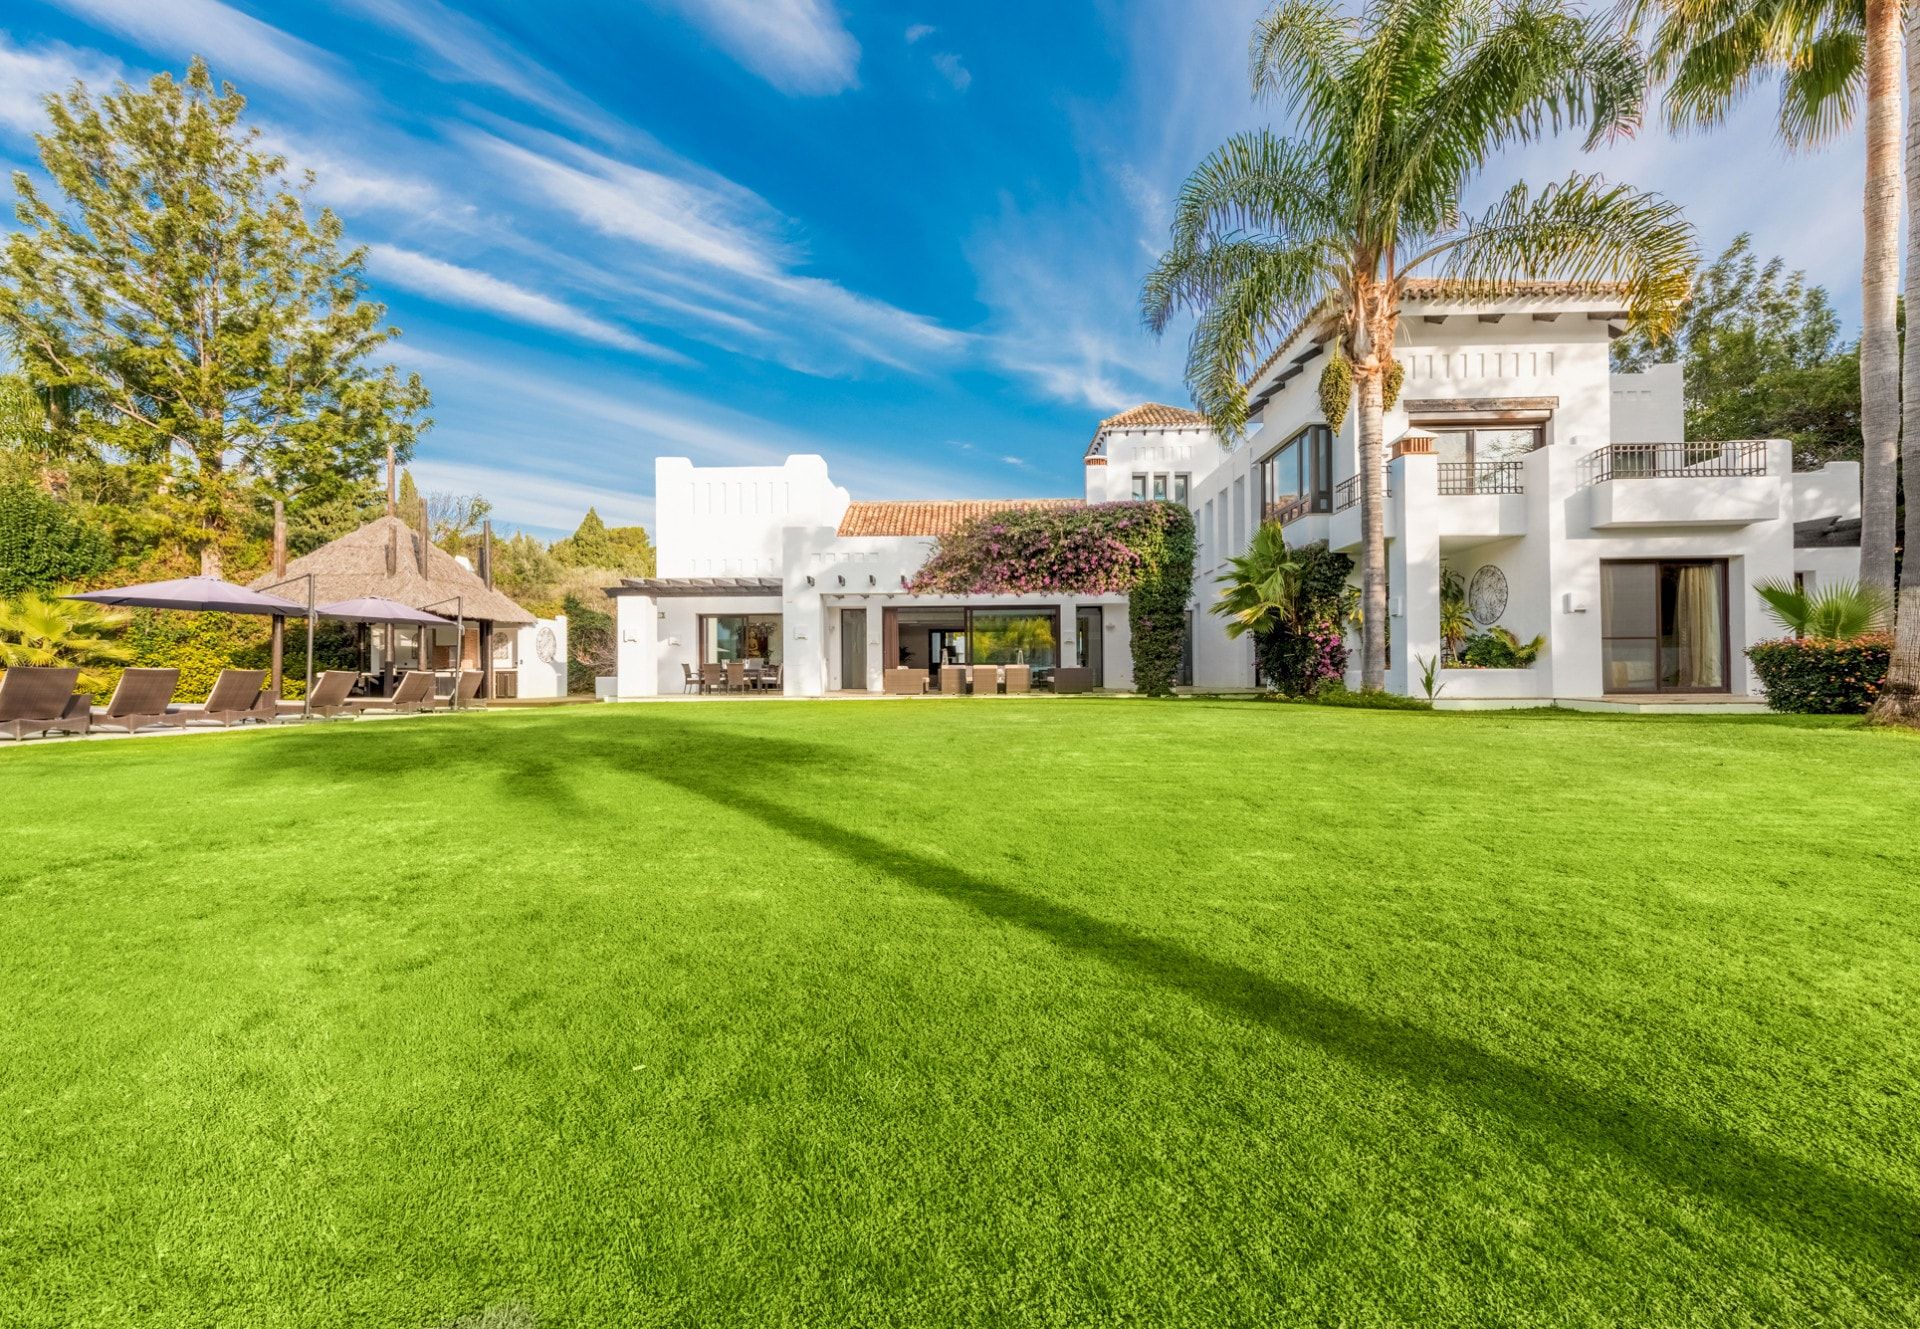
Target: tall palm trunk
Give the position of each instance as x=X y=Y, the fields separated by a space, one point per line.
x=1901 y=700
x=1879 y=338
x=1373 y=526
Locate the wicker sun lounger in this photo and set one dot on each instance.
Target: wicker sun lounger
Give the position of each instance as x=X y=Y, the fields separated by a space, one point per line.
x=237 y=697
x=466 y=689
x=415 y=693
x=141 y=698
x=38 y=700
x=329 y=697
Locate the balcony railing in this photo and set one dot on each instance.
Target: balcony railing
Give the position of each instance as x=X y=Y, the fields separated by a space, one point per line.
x=1290 y=509
x=1483 y=477
x=1649 y=461
x=1347 y=493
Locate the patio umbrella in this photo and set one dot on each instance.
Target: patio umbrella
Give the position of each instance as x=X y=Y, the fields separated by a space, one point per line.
x=379 y=609
x=195 y=593
x=208 y=595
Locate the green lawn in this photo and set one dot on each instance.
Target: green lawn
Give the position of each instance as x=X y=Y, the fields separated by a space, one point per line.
x=1047 y=1012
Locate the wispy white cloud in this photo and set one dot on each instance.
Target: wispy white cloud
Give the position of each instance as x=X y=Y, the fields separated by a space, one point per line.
x=717 y=241
x=470 y=288
x=545 y=500
x=919 y=30
x=29 y=73
x=470 y=52
x=953 y=69
x=233 y=42
x=348 y=182
x=799 y=46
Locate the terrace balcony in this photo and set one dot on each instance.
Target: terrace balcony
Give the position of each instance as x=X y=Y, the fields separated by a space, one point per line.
x=1482 y=500
x=1632 y=486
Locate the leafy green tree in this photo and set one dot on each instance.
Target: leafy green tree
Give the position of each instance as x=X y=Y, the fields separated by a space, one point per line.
x=523 y=569
x=1763 y=358
x=44 y=543
x=590 y=546
x=633 y=552
x=177 y=291
x=1396 y=111
x=1828 y=56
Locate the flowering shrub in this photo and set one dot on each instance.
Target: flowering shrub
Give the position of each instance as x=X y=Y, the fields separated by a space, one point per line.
x=1299 y=664
x=1141 y=550
x=1811 y=676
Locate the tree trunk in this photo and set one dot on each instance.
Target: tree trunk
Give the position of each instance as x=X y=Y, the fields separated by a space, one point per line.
x=212 y=564
x=1900 y=701
x=1373 y=527
x=1879 y=337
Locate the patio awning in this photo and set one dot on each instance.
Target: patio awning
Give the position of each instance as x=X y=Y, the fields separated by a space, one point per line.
x=379 y=609
x=663 y=587
x=195 y=593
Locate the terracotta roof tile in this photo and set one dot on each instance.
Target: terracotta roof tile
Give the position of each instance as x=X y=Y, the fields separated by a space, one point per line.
x=1148 y=415
x=939 y=517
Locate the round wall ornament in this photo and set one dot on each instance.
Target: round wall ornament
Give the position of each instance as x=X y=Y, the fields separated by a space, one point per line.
x=545 y=645
x=1487 y=595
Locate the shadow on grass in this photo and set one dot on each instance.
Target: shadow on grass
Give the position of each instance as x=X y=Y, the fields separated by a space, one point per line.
x=1852 y=1217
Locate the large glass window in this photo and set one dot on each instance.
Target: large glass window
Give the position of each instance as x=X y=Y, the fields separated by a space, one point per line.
x=740 y=637
x=1182 y=487
x=1140 y=487
x=1012 y=636
x=1663 y=626
x=1301 y=469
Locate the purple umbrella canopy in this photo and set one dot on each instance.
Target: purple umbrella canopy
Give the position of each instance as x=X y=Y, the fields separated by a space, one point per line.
x=195 y=593
x=379 y=609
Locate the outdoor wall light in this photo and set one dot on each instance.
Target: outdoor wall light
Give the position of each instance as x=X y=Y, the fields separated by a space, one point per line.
x=843 y=580
x=872 y=580
x=809 y=581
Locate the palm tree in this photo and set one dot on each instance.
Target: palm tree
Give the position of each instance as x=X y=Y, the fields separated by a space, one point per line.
x=1261 y=589
x=1396 y=112
x=1839 y=611
x=1900 y=699
x=1710 y=53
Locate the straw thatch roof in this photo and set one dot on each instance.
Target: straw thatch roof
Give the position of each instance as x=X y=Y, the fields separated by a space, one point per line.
x=357 y=564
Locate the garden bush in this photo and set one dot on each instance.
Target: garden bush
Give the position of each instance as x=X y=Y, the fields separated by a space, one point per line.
x=45 y=545
x=1141 y=550
x=1812 y=676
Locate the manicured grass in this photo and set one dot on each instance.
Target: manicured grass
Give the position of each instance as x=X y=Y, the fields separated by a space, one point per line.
x=1049 y=1012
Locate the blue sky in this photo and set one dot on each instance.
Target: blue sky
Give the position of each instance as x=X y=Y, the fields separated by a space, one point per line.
x=907 y=236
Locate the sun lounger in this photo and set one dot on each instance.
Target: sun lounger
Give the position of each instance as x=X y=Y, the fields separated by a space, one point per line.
x=415 y=693
x=141 y=698
x=38 y=700
x=466 y=689
x=329 y=697
x=235 y=699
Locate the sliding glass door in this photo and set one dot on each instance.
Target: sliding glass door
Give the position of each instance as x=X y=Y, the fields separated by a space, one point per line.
x=1663 y=626
x=726 y=637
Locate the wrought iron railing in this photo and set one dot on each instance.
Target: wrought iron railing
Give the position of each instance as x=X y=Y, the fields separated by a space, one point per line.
x=1347 y=493
x=1483 y=477
x=1647 y=461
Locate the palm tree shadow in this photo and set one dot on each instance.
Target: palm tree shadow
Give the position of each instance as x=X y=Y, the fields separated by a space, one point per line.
x=1855 y=1218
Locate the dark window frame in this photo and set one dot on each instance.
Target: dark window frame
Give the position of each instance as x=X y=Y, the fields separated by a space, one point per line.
x=1725 y=568
x=1316 y=472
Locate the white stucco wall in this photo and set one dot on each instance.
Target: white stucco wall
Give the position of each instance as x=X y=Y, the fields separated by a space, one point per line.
x=537 y=677
x=1650 y=406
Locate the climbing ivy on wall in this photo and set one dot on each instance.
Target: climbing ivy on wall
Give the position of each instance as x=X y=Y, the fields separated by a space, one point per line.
x=1143 y=551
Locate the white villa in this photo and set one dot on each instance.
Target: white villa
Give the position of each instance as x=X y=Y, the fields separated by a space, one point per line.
x=1566 y=497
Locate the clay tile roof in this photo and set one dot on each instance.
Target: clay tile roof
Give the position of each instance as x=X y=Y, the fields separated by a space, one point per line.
x=1148 y=415
x=941 y=517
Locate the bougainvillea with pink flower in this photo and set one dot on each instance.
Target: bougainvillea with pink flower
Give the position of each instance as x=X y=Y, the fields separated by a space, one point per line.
x=1143 y=551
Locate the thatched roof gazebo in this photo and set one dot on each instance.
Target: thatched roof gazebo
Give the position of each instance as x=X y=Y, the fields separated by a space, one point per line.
x=389 y=559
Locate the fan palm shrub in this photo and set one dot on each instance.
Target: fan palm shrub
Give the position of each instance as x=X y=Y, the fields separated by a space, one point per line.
x=40 y=630
x=1396 y=110
x=1839 y=611
x=1827 y=56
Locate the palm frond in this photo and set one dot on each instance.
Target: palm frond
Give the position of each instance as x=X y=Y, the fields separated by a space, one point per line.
x=1580 y=230
x=1301 y=53
x=1254 y=182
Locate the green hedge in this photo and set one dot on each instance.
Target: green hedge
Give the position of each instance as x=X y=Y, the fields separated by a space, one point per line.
x=1807 y=676
x=45 y=545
